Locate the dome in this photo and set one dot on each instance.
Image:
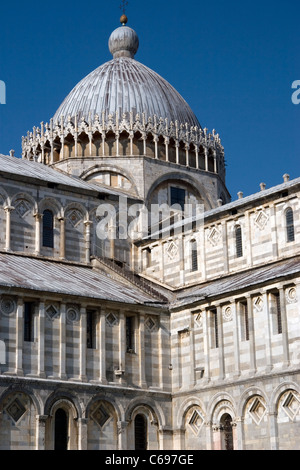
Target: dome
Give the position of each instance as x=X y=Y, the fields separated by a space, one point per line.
x=125 y=85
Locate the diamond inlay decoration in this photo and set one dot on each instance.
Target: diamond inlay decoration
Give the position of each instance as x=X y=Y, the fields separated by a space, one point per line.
x=257 y=411
x=258 y=304
x=150 y=324
x=101 y=415
x=111 y=319
x=16 y=410
x=261 y=219
x=74 y=217
x=198 y=319
x=52 y=312
x=22 y=207
x=196 y=422
x=172 y=250
x=291 y=405
x=214 y=236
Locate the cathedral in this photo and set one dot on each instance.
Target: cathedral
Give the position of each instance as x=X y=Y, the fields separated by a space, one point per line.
x=140 y=307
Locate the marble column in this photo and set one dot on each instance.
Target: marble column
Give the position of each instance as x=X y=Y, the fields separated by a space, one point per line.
x=102 y=346
x=220 y=343
x=122 y=346
x=252 y=364
x=82 y=433
x=284 y=325
x=62 y=245
x=83 y=344
x=88 y=241
x=8 y=210
x=141 y=352
x=206 y=345
x=19 y=337
x=41 y=431
x=38 y=217
x=62 y=342
x=41 y=340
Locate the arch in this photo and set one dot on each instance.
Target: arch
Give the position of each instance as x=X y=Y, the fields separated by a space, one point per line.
x=77 y=206
x=64 y=401
x=26 y=197
x=83 y=144
x=51 y=204
x=153 y=407
x=35 y=398
x=185 y=407
x=63 y=397
x=97 y=144
x=69 y=146
x=279 y=391
x=249 y=393
x=109 y=398
x=88 y=174
x=138 y=144
x=124 y=144
x=185 y=180
x=216 y=407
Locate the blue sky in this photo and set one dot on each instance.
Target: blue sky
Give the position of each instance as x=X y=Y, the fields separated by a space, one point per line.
x=233 y=62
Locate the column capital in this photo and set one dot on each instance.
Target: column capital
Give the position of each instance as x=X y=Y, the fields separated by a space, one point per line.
x=8 y=208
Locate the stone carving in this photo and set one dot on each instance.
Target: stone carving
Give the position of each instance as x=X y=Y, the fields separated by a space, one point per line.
x=214 y=236
x=291 y=295
x=73 y=314
x=261 y=219
x=8 y=306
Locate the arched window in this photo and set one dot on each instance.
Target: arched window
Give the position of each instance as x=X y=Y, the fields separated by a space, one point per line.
x=289 y=220
x=238 y=242
x=227 y=434
x=140 y=432
x=194 y=256
x=61 y=430
x=48 y=235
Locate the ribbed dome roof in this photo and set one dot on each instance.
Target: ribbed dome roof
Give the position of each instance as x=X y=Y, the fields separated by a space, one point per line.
x=125 y=85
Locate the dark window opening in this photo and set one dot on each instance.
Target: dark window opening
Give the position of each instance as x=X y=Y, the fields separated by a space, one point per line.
x=178 y=197
x=129 y=334
x=290 y=230
x=61 y=430
x=278 y=313
x=246 y=320
x=238 y=242
x=91 y=329
x=28 y=321
x=48 y=234
x=140 y=432
x=226 y=427
x=194 y=256
x=215 y=328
